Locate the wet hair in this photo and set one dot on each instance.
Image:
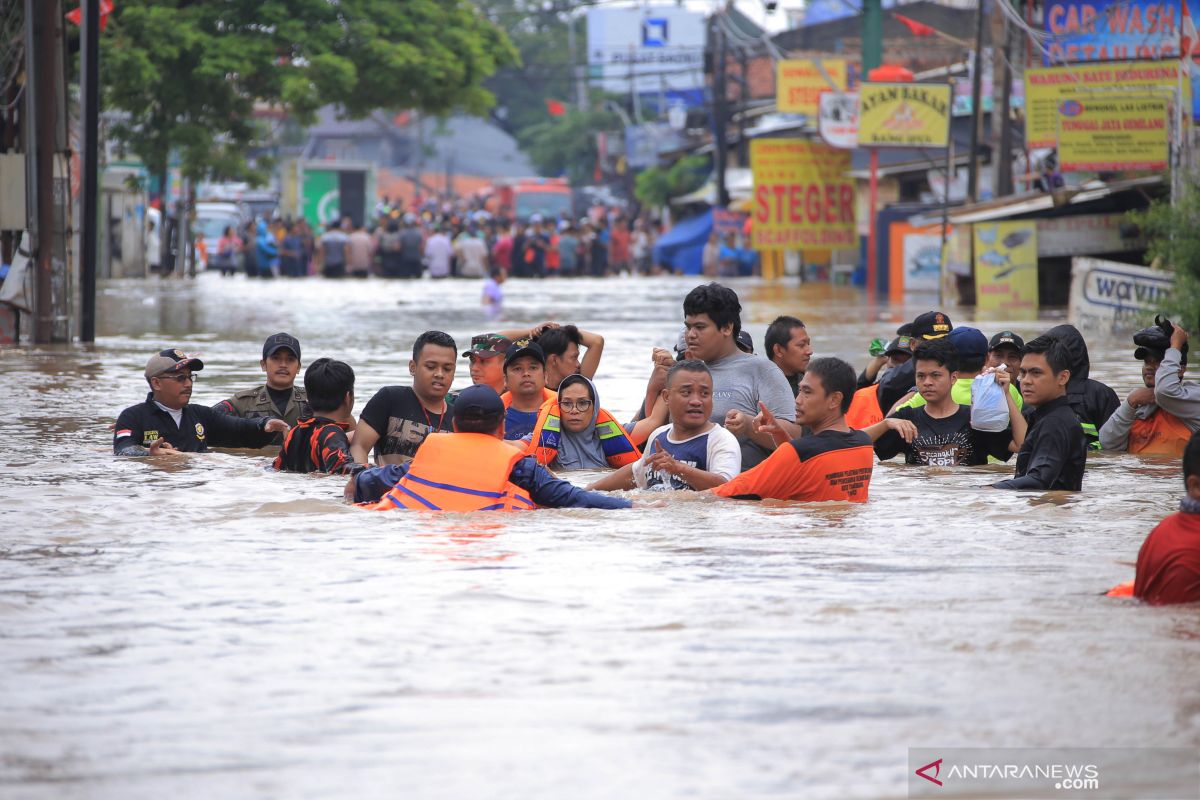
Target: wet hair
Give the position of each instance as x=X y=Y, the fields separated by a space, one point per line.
x=1191 y=456
x=1054 y=351
x=326 y=381
x=554 y=341
x=436 y=338
x=779 y=333
x=719 y=302
x=689 y=365
x=939 y=351
x=836 y=376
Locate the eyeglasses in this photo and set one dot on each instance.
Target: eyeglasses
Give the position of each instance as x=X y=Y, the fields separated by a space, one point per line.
x=576 y=405
x=180 y=378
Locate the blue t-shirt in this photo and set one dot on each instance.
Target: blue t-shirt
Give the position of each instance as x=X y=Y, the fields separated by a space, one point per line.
x=519 y=424
x=693 y=452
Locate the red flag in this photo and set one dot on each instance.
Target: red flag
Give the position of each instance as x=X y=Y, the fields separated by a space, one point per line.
x=914 y=27
x=76 y=17
x=555 y=109
x=1187 y=33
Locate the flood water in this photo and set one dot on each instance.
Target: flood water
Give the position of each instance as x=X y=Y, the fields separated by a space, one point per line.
x=200 y=627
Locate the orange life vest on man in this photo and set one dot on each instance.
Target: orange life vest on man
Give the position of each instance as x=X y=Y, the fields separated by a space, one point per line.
x=864 y=408
x=459 y=472
x=619 y=449
x=547 y=396
x=1161 y=434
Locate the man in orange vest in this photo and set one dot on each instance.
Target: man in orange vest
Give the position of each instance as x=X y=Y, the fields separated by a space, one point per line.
x=472 y=469
x=1160 y=417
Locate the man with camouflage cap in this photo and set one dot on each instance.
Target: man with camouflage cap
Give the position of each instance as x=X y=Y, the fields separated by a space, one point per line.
x=487 y=360
x=167 y=422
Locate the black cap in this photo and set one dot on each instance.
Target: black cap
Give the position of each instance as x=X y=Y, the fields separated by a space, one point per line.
x=744 y=342
x=901 y=344
x=478 y=403
x=1155 y=342
x=524 y=347
x=1006 y=338
x=931 y=325
x=279 y=341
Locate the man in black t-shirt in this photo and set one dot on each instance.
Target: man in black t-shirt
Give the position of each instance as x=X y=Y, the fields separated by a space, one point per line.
x=398 y=418
x=939 y=434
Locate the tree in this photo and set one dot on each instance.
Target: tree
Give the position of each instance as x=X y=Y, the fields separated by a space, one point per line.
x=566 y=145
x=188 y=73
x=1173 y=243
x=657 y=186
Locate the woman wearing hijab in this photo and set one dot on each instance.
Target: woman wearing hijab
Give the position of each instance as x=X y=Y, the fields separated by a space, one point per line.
x=573 y=432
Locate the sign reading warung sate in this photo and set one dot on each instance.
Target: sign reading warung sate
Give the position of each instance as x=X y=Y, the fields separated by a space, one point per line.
x=903 y=115
x=1047 y=88
x=1113 y=133
x=802 y=196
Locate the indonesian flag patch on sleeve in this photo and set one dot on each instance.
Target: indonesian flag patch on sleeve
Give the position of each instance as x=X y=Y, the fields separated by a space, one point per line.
x=122 y=434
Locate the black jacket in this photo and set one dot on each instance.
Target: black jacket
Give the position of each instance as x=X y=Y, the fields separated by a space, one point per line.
x=1055 y=451
x=1092 y=401
x=139 y=426
x=898 y=382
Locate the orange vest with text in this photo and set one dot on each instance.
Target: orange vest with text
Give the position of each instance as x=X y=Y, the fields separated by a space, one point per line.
x=459 y=472
x=1162 y=434
x=864 y=408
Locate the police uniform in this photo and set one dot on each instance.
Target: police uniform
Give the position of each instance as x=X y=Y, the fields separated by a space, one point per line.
x=140 y=426
x=256 y=403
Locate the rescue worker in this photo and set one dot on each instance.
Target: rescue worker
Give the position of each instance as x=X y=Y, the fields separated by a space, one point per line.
x=574 y=432
x=486 y=358
x=525 y=375
x=1005 y=348
x=1160 y=417
x=279 y=397
x=472 y=469
x=319 y=443
x=897 y=383
x=865 y=409
x=168 y=422
x=832 y=462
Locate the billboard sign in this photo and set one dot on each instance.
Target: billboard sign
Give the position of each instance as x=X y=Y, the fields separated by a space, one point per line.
x=803 y=197
x=1109 y=133
x=799 y=83
x=903 y=115
x=657 y=49
x=837 y=119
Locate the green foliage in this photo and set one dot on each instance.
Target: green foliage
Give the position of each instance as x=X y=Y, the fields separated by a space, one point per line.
x=566 y=145
x=657 y=186
x=1173 y=243
x=188 y=73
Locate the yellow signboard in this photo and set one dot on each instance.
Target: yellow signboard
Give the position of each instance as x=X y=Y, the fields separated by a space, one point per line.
x=800 y=81
x=903 y=115
x=1047 y=88
x=802 y=196
x=1108 y=132
x=1006 y=266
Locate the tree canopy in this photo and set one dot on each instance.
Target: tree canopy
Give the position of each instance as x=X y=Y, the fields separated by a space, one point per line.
x=188 y=73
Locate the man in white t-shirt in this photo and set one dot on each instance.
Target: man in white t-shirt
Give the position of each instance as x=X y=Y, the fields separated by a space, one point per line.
x=438 y=252
x=691 y=453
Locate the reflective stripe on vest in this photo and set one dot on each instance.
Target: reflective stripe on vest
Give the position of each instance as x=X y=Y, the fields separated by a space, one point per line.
x=619 y=449
x=459 y=472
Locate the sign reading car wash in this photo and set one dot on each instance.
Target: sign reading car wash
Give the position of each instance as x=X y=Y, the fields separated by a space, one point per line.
x=837 y=119
x=799 y=83
x=1046 y=89
x=802 y=196
x=903 y=115
x=1110 y=295
x=1112 y=133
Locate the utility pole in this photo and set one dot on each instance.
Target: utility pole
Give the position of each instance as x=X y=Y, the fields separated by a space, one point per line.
x=720 y=116
x=872 y=35
x=743 y=107
x=89 y=79
x=1000 y=116
x=976 y=105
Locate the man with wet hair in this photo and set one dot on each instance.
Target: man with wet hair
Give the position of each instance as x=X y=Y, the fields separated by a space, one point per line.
x=1160 y=417
x=168 y=422
x=398 y=418
x=742 y=383
x=832 y=462
x=319 y=443
x=1054 y=454
x=789 y=347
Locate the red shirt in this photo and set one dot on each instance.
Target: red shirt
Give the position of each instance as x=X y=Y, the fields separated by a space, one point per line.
x=1168 y=565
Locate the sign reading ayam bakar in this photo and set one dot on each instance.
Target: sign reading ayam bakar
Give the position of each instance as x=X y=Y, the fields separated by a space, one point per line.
x=802 y=196
x=903 y=115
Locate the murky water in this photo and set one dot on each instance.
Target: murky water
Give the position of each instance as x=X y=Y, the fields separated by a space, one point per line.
x=199 y=627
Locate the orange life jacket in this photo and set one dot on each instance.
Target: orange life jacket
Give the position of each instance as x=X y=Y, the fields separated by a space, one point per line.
x=864 y=408
x=619 y=449
x=547 y=396
x=1162 y=434
x=1124 y=589
x=459 y=472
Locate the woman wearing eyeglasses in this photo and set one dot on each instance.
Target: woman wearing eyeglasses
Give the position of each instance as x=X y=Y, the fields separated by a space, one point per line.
x=575 y=433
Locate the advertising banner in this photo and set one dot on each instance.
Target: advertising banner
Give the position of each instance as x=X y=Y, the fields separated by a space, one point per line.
x=1047 y=88
x=657 y=49
x=903 y=115
x=1006 y=265
x=1110 y=295
x=837 y=119
x=802 y=196
x=799 y=83
x=1112 y=30
x=1113 y=133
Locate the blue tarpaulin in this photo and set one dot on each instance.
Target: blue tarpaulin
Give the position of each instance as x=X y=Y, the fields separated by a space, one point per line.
x=682 y=247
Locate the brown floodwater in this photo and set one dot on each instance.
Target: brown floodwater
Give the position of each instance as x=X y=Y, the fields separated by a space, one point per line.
x=200 y=627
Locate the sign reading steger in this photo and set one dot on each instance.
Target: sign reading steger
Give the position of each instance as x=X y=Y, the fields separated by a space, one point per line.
x=802 y=196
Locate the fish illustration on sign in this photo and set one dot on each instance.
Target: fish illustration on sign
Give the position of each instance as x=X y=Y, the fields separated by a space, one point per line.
x=987 y=233
x=994 y=259
x=1017 y=238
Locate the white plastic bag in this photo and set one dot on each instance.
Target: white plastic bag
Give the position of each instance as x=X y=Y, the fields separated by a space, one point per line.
x=989 y=408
